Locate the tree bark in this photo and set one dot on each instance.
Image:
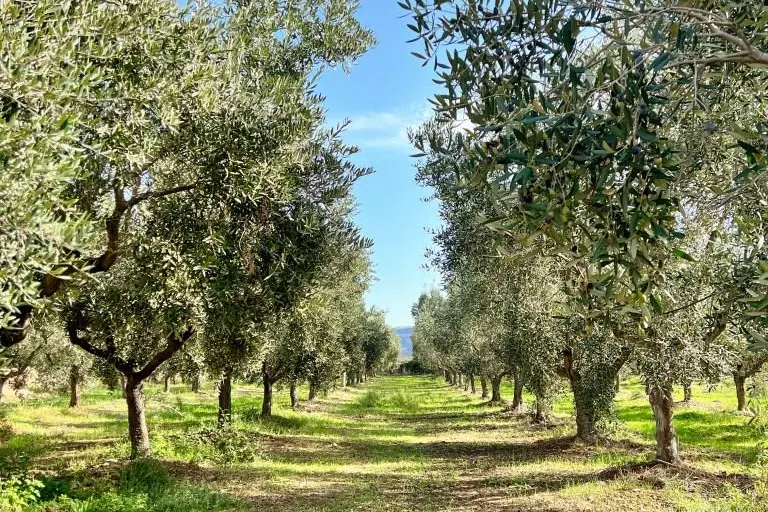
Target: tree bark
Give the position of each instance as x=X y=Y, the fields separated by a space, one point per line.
x=517 y=397
x=662 y=402
x=586 y=417
x=312 y=391
x=167 y=384
x=344 y=380
x=496 y=389
x=225 y=399
x=602 y=382
x=74 y=392
x=466 y=383
x=294 y=397
x=472 y=384
x=266 y=404
x=137 y=422
x=687 y=392
x=542 y=410
x=617 y=384
x=741 y=395
x=195 y=383
x=483 y=387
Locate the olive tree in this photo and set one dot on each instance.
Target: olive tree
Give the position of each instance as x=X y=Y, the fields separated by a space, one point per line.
x=577 y=118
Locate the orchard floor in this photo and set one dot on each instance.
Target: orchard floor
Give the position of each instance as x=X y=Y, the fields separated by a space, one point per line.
x=394 y=443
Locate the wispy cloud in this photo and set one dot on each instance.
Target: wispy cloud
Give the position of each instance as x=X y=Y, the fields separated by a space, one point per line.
x=389 y=129
x=384 y=130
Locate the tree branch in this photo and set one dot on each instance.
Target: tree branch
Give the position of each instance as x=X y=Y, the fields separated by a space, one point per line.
x=159 y=193
x=23 y=366
x=174 y=345
x=78 y=321
x=626 y=353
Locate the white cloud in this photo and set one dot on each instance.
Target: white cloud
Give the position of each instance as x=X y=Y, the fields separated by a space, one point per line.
x=385 y=130
x=389 y=129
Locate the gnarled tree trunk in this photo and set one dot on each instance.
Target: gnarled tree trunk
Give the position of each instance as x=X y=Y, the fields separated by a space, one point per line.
x=662 y=402
x=592 y=393
x=137 y=422
x=586 y=416
x=122 y=386
x=517 y=397
x=543 y=408
x=496 y=388
x=74 y=392
x=225 y=398
x=483 y=388
x=294 y=397
x=195 y=383
x=687 y=392
x=266 y=404
x=741 y=393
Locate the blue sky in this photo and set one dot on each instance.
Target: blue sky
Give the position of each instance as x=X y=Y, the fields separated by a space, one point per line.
x=385 y=93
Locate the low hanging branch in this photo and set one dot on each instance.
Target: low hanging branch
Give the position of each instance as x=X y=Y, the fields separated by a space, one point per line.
x=12 y=373
x=77 y=322
x=50 y=283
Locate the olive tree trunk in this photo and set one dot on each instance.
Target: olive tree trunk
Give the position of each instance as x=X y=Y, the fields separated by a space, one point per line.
x=687 y=392
x=543 y=408
x=167 y=384
x=741 y=395
x=74 y=392
x=662 y=402
x=134 y=385
x=294 y=397
x=586 y=415
x=517 y=397
x=225 y=399
x=266 y=404
x=472 y=384
x=496 y=388
x=593 y=392
x=137 y=421
x=344 y=380
x=312 y=390
x=195 y=383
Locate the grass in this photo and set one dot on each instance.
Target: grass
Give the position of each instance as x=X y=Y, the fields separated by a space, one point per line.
x=396 y=443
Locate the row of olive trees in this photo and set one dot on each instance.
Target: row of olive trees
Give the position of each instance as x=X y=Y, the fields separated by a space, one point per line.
x=623 y=147
x=169 y=187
